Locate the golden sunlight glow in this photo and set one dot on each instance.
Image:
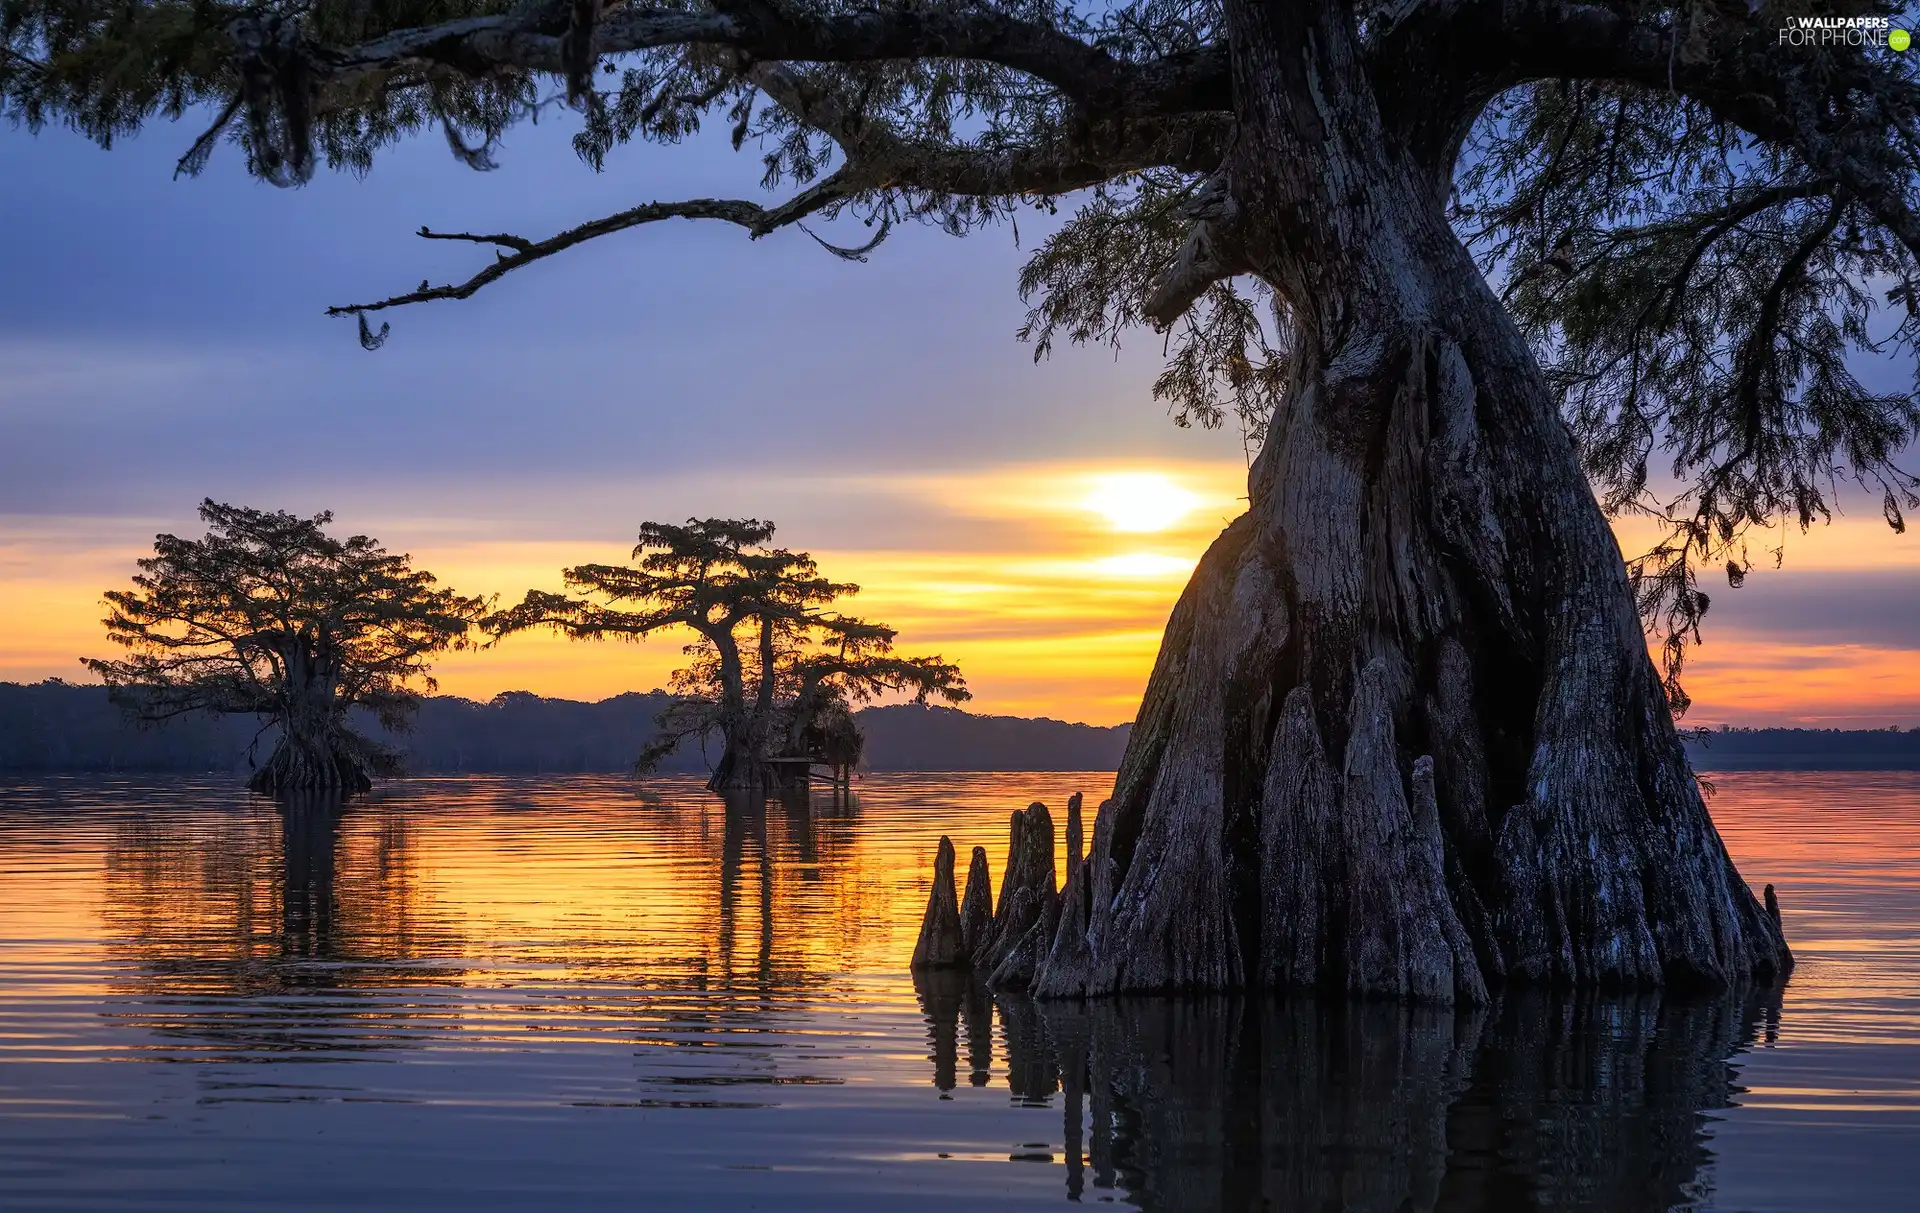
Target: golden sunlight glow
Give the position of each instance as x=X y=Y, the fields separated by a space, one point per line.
x=1030 y=577
x=1144 y=564
x=1139 y=501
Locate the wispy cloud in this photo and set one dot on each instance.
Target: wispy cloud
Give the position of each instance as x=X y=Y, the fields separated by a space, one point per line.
x=162 y=341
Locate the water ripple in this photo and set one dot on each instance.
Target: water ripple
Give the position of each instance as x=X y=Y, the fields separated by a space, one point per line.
x=508 y=993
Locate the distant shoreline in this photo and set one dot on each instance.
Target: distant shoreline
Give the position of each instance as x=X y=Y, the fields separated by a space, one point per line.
x=57 y=727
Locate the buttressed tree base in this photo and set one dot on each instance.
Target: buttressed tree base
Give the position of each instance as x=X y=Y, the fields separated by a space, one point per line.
x=1404 y=736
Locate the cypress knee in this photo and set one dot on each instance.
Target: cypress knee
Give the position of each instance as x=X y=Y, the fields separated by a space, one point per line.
x=1066 y=969
x=1028 y=888
x=976 y=907
x=1073 y=836
x=941 y=945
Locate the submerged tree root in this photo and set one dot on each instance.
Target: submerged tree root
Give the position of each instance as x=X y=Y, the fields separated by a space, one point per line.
x=1402 y=738
x=1362 y=885
x=336 y=762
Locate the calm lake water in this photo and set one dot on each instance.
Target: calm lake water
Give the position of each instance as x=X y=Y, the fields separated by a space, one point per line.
x=587 y=993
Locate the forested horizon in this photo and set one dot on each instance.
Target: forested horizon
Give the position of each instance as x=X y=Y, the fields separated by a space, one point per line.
x=56 y=725
x=59 y=726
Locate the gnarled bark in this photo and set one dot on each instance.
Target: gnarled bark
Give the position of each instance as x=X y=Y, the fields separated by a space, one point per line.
x=316 y=752
x=1403 y=737
x=1024 y=917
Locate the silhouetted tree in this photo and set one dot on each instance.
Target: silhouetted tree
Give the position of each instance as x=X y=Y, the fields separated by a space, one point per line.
x=268 y=615
x=772 y=659
x=1404 y=736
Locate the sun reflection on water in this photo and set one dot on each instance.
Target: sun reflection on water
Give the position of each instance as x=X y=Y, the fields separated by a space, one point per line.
x=483 y=953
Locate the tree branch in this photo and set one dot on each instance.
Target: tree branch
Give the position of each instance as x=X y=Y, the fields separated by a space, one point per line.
x=197 y=155
x=1741 y=77
x=1212 y=251
x=758 y=221
x=533 y=41
x=875 y=159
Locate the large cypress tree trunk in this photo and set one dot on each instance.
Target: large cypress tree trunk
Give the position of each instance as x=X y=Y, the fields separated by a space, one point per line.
x=316 y=751
x=1403 y=736
x=743 y=730
x=741 y=767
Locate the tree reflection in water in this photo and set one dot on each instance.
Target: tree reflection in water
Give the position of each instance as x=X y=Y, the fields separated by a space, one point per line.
x=310 y=827
x=672 y=949
x=260 y=899
x=1542 y=1102
x=219 y=912
x=227 y=916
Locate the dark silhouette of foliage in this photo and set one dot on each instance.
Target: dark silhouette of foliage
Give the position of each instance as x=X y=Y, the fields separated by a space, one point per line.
x=1702 y=297
x=268 y=615
x=773 y=663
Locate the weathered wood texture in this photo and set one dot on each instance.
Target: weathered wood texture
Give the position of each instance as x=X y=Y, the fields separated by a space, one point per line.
x=942 y=945
x=316 y=753
x=1403 y=737
x=976 y=907
x=1024 y=918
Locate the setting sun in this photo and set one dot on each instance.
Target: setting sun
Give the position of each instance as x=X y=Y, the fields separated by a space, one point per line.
x=1139 y=501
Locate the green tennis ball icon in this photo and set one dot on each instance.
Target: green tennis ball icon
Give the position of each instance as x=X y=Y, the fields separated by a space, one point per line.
x=1899 y=40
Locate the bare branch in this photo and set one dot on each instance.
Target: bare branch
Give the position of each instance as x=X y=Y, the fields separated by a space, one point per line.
x=875 y=159
x=758 y=221
x=517 y=243
x=850 y=253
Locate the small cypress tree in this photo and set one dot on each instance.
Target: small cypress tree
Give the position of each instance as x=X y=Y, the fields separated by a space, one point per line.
x=268 y=615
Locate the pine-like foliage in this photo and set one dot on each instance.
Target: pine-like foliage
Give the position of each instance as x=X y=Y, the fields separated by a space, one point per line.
x=774 y=667
x=1707 y=229
x=268 y=615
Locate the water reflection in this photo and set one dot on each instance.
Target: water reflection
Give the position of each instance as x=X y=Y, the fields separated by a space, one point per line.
x=1228 y=1103
x=332 y=928
x=261 y=899
x=707 y=1004
x=746 y=834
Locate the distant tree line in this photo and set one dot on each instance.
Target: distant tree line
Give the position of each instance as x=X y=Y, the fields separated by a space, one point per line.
x=1734 y=749
x=58 y=726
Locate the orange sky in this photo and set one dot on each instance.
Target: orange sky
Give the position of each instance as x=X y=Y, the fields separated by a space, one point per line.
x=1048 y=584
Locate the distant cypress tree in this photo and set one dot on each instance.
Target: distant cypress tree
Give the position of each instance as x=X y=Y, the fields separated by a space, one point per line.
x=268 y=615
x=775 y=665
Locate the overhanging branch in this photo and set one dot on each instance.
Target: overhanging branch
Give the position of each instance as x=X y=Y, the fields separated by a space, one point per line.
x=758 y=221
x=1845 y=116
x=1212 y=251
x=534 y=40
